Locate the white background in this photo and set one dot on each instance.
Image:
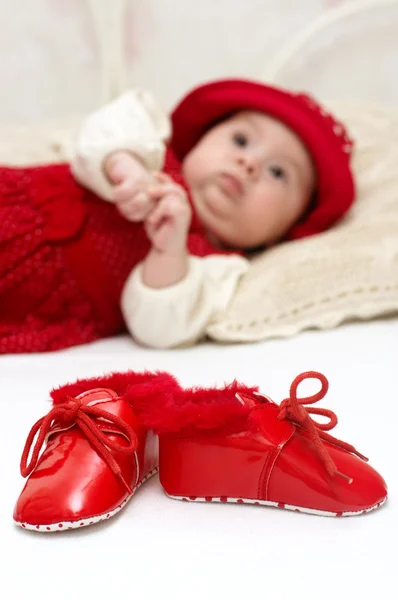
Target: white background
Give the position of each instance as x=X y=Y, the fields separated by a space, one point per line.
x=50 y=67
x=50 y=51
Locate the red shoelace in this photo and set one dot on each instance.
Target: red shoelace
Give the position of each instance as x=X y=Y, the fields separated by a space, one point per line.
x=73 y=412
x=293 y=410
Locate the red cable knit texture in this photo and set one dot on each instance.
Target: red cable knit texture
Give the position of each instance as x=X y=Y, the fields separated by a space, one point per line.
x=64 y=258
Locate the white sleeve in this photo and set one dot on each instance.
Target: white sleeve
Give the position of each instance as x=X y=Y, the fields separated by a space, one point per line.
x=134 y=122
x=179 y=314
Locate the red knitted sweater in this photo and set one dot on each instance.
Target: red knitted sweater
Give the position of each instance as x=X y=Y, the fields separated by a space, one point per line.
x=65 y=255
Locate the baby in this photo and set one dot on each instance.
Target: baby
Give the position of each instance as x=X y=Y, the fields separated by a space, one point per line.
x=247 y=166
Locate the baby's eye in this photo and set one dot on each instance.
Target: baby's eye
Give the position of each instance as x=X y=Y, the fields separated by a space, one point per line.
x=277 y=172
x=240 y=139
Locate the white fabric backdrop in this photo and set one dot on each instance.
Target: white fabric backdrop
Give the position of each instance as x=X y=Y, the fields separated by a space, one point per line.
x=50 y=53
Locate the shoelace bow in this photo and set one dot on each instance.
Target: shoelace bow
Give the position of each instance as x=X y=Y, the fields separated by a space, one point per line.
x=293 y=410
x=74 y=412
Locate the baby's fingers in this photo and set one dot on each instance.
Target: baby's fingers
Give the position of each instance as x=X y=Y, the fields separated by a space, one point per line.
x=160 y=212
x=126 y=189
x=136 y=208
x=161 y=177
x=159 y=190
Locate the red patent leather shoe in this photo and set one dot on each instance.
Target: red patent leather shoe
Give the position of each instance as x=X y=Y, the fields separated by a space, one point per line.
x=96 y=456
x=235 y=445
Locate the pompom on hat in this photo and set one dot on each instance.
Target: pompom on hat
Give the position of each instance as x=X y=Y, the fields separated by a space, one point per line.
x=325 y=138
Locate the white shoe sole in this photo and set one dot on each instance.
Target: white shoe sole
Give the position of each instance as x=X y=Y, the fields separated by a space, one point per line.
x=301 y=509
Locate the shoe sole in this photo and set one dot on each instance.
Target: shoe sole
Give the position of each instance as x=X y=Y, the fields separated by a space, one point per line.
x=67 y=525
x=301 y=509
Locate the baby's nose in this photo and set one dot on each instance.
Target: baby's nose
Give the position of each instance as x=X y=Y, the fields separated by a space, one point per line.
x=251 y=163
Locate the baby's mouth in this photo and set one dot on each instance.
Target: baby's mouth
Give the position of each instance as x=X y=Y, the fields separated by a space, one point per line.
x=230 y=185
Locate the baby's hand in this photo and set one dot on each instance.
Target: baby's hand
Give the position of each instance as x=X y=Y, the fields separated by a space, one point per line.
x=131 y=180
x=168 y=224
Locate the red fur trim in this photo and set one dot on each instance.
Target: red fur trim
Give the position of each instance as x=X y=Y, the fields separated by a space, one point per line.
x=191 y=411
x=163 y=406
x=126 y=384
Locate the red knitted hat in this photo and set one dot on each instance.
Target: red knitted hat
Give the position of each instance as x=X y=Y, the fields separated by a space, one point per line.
x=325 y=137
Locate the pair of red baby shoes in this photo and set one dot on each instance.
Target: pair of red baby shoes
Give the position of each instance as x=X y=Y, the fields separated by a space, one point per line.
x=105 y=436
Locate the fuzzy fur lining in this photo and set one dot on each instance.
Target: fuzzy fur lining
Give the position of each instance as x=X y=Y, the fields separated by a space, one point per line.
x=124 y=384
x=194 y=410
x=163 y=406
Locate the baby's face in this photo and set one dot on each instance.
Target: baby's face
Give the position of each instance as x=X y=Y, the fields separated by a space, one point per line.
x=251 y=178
